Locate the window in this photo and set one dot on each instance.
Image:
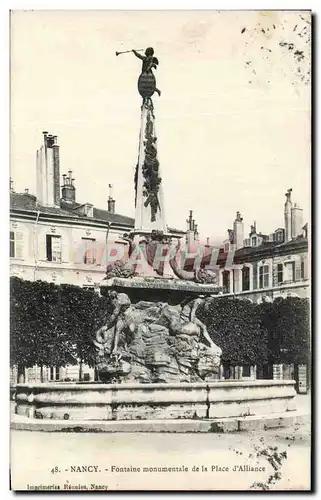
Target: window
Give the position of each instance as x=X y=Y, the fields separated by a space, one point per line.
x=16 y=245
x=246 y=371
x=264 y=277
x=12 y=245
x=54 y=373
x=245 y=278
x=226 y=281
x=254 y=242
x=88 y=210
x=279 y=236
x=302 y=270
x=89 y=250
x=53 y=245
x=289 y=268
x=280 y=273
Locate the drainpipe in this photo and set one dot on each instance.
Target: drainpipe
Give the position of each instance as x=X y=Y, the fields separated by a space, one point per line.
x=107 y=232
x=35 y=253
x=109 y=224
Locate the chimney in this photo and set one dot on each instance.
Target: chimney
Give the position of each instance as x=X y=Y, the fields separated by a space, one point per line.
x=111 y=201
x=48 y=172
x=296 y=221
x=190 y=221
x=11 y=186
x=190 y=234
x=208 y=241
x=238 y=228
x=196 y=234
x=287 y=216
x=253 y=228
x=56 y=167
x=68 y=190
x=26 y=191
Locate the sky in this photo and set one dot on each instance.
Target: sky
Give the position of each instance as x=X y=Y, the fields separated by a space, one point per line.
x=233 y=120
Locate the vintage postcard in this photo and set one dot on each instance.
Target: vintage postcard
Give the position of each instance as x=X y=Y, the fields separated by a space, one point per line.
x=160 y=250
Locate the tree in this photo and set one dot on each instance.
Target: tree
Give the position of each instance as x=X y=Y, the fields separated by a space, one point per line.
x=235 y=327
x=81 y=314
x=22 y=345
x=288 y=325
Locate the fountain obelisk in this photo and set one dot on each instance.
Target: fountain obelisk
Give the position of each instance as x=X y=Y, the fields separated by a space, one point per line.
x=151 y=252
x=149 y=199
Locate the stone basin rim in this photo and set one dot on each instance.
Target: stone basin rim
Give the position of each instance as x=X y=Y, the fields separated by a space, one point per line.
x=161 y=283
x=67 y=386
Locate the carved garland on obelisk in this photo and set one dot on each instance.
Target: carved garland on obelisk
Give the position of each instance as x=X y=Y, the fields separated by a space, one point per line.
x=150 y=168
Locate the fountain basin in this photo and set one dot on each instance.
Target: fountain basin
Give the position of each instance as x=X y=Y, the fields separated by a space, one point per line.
x=172 y=291
x=118 y=402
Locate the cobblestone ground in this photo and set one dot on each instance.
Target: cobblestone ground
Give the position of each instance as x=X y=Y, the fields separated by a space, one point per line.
x=274 y=459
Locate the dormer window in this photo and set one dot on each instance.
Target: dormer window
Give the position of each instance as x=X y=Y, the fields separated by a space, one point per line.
x=254 y=241
x=278 y=236
x=88 y=210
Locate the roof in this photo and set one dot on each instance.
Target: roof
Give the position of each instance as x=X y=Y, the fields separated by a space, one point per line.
x=28 y=202
x=250 y=254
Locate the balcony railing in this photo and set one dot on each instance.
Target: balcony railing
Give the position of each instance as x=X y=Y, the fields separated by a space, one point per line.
x=290 y=282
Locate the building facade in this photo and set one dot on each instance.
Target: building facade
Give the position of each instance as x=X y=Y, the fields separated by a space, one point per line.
x=267 y=266
x=62 y=245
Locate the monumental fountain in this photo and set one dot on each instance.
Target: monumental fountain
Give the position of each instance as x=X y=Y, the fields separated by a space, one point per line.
x=155 y=359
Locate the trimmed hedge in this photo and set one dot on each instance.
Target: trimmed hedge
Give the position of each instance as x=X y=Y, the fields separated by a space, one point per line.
x=53 y=324
x=259 y=334
x=234 y=326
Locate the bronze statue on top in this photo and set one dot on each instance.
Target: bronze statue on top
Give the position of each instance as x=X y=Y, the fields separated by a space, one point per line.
x=146 y=80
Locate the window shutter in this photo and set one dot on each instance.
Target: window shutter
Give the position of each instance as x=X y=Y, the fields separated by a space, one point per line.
x=275 y=274
x=40 y=244
x=49 y=247
x=279 y=274
x=306 y=268
x=254 y=276
x=297 y=275
x=66 y=245
x=19 y=248
x=12 y=242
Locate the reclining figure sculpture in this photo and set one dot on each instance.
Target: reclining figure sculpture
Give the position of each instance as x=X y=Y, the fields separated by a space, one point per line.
x=155 y=342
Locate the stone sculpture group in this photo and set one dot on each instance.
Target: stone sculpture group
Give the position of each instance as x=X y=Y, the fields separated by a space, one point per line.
x=155 y=342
